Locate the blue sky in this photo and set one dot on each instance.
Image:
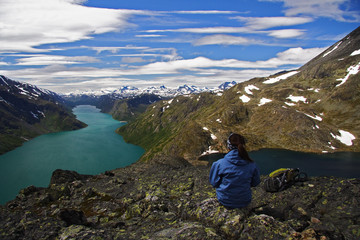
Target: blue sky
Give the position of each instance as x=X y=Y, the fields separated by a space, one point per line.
x=77 y=45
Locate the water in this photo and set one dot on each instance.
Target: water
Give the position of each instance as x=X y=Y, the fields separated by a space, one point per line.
x=341 y=164
x=90 y=150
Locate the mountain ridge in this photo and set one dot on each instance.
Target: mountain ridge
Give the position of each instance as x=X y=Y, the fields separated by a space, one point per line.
x=162 y=91
x=28 y=111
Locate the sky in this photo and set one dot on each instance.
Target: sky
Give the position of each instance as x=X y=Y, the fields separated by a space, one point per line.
x=78 y=45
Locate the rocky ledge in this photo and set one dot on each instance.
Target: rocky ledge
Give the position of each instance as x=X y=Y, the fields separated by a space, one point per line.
x=175 y=201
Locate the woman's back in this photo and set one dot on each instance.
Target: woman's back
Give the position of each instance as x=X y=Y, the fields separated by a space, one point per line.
x=233 y=178
x=234 y=175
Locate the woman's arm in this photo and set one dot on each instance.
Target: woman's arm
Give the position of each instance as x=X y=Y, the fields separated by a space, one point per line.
x=256 y=177
x=214 y=177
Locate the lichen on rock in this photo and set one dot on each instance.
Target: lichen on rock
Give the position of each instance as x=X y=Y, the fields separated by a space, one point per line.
x=165 y=201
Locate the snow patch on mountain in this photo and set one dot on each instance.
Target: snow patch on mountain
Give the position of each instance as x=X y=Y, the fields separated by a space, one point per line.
x=352 y=70
x=249 y=88
x=345 y=137
x=244 y=98
x=318 y=118
x=297 y=98
x=209 y=151
x=264 y=101
x=333 y=49
x=281 y=77
x=354 y=53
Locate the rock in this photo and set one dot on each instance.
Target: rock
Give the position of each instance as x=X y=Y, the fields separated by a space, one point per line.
x=71 y=217
x=29 y=190
x=164 y=201
x=60 y=176
x=314 y=220
x=265 y=227
x=309 y=234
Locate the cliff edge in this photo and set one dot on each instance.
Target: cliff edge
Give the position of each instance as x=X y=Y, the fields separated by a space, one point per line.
x=173 y=200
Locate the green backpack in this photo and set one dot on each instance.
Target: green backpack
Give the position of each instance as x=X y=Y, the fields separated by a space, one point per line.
x=283 y=178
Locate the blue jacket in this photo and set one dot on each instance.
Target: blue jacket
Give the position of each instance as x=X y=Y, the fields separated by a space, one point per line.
x=233 y=178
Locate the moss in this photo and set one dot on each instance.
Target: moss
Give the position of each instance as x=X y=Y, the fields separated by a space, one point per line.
x=104 y=220
x=71 y=231
x=356 y=232
x=134 y=211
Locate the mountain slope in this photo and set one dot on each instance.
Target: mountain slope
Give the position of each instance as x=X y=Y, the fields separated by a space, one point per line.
x=312 y=109
x=27 y=111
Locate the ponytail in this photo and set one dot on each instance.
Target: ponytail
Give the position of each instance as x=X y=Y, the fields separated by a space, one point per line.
x=243 y=153
x=236 y=141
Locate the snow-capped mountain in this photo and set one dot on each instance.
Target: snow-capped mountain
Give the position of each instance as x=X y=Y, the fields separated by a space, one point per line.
x=27 y=90
x=28 y=111
x=163 y=91
x=227 y=85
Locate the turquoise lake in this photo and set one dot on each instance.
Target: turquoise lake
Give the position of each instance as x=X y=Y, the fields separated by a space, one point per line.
x=97 y=148
x=91 y=150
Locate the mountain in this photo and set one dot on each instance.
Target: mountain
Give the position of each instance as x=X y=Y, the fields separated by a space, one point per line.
x=129 y=108
x=28 y=111
x=227 y=85
x=313 y=109
x=126 y=103
x=162 y=91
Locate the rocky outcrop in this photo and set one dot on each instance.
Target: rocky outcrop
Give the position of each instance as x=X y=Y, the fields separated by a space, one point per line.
x=175 y=201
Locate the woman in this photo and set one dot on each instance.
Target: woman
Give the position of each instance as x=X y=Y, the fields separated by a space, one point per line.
x=234 y=175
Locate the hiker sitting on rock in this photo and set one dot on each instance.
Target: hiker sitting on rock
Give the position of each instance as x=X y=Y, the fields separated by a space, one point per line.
x=234 y=175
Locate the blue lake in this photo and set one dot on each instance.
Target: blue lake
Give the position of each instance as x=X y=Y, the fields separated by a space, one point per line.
x=91 y=150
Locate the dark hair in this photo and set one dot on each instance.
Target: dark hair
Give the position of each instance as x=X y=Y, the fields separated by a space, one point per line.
x=237 y=141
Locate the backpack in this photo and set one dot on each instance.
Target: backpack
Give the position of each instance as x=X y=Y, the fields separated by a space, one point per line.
x=283 y=178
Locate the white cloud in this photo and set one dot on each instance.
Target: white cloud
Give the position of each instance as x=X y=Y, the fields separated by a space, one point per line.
x=132 y=60
x=222 y=40
x=286 y=33
x=271 y=22
x=149 y=36
x=321 y=8
x=27 y=24
x=54 y=59
x=292 y=56
x=117 y=49
x=296 y=56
